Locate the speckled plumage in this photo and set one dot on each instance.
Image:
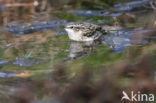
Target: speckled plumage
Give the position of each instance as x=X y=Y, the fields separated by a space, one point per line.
x=84 y=31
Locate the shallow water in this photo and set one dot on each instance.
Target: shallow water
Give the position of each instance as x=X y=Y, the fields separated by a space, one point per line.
x=41 y=40
x=40 y=36
x=33 y=46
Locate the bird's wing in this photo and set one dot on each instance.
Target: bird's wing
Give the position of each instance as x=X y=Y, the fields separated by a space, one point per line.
x=89 y=31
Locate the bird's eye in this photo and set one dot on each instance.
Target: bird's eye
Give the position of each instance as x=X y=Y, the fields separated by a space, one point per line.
x=71 y=27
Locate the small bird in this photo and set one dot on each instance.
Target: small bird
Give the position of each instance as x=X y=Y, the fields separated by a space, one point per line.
x=84 y=31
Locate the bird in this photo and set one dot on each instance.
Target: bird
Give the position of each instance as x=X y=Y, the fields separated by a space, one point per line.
x=84 y=31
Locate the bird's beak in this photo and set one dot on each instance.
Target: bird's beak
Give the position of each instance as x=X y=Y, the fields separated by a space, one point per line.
x=66 y=28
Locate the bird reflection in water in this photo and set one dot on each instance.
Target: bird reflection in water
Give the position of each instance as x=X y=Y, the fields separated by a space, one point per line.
x=80 y=49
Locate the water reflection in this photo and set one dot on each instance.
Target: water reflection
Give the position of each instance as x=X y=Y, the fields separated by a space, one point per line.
x=4 y=62
x=28 y=62
x=14 y=10
x=4 y=75
x=35 y=27
x=119 y=40
x=80 y=49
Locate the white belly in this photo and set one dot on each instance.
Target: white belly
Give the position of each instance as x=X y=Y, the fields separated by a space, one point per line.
x=77 y=36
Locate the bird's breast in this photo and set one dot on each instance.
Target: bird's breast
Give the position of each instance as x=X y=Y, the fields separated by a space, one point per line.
x=77 y=36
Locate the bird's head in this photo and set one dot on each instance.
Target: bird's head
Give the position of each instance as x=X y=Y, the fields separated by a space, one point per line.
x=73 y=28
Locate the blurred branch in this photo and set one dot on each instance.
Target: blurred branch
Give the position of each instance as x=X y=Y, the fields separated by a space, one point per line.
x=44 y=4
x=153 y=7
x=19 y=4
